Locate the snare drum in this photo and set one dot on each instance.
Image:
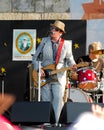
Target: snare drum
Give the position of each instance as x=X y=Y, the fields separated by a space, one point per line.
x=87 y=78
x=77 y=95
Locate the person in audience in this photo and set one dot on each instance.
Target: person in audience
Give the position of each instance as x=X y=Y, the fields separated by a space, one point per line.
x=98 y=110
x=89 y=120
x=6 y=100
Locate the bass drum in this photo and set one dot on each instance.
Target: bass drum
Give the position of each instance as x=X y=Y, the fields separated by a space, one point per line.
x=77 y=95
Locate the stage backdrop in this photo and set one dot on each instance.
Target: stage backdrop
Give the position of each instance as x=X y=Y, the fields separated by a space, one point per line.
x=16 y=80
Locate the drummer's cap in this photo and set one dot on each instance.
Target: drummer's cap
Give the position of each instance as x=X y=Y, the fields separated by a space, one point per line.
x=95 y=46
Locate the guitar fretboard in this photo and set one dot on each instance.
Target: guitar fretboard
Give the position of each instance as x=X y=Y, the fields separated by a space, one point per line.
x=68 y=68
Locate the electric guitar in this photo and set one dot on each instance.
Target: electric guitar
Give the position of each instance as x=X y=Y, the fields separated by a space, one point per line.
x=50 y=71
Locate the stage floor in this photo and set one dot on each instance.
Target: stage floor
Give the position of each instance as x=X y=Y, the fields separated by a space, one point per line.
x=45 y=128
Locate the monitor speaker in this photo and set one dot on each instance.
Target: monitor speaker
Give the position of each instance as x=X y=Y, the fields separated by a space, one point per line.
x=72 y=110
x=32 y=112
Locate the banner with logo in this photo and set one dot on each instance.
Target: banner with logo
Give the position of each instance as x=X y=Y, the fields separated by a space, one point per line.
x=24 y=44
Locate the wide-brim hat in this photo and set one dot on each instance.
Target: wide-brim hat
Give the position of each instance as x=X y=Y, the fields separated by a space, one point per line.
x=95 y=46
x=59 y=25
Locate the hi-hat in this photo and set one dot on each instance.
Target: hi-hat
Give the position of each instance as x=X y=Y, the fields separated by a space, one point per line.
x=99 y=52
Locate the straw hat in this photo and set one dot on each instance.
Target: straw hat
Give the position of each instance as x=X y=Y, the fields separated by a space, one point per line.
x=59 y=25
x=94 y=46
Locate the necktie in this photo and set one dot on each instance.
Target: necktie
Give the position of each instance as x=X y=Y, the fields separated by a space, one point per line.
x=54 y=50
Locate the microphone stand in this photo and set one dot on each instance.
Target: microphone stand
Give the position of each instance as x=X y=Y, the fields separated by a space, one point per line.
x=3 y=88
x=39 y=58
x=39 y=81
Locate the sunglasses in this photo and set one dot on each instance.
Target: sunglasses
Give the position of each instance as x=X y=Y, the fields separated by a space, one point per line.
x=55 y=28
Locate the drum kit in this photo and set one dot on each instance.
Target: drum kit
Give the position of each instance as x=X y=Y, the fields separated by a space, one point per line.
x=88 y=88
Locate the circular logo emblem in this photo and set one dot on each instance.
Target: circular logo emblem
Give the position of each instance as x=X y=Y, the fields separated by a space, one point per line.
x=24 y=42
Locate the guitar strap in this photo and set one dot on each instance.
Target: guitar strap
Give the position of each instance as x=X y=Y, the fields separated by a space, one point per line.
x=59 y=51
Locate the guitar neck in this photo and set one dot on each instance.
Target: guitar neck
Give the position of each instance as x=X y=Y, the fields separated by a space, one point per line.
x=58 y=71
x=68 y=68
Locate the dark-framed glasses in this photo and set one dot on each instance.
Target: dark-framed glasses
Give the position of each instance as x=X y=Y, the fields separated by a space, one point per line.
x=54 y=28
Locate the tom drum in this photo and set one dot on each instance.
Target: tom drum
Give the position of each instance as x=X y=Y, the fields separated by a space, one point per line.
x=87 y=78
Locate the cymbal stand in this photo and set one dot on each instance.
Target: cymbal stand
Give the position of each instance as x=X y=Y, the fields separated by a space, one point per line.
x=102 y=89
x=96 y=97
x=102 y=81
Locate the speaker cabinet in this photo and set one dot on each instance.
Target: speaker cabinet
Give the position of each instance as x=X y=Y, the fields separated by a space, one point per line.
x=72 y=110
x=32 y=112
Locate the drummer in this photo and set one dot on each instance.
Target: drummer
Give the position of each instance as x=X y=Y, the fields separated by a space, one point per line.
x=94 y=59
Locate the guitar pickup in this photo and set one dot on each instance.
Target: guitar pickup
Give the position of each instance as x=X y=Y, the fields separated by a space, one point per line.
x=43 y=80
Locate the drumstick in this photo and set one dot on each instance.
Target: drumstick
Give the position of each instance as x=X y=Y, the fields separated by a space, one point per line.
x=97 y=65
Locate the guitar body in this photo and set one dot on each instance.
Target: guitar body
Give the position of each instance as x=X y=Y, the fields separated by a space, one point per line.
x=47 y=78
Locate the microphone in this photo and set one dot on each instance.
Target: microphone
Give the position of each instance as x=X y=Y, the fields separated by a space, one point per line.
x=40 y=55
x=32 y=54
x=51 y=32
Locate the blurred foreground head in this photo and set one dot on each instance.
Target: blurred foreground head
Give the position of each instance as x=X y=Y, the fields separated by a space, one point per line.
x=87 y=121
x=6 y=101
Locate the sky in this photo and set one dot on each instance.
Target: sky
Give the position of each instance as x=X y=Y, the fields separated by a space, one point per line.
x=76 y=8
x=95 y=27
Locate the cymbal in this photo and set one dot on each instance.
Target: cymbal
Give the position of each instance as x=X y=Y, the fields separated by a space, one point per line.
x=99 y=52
